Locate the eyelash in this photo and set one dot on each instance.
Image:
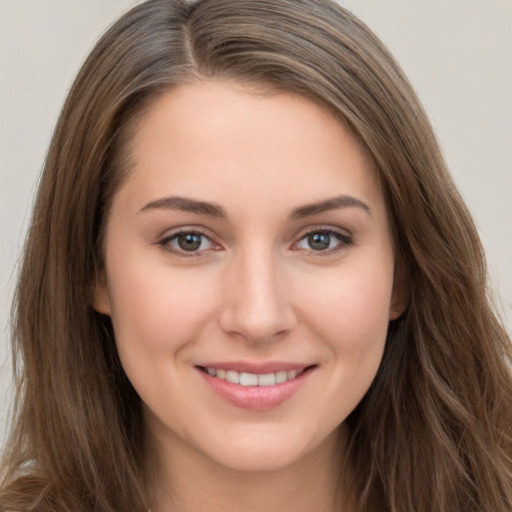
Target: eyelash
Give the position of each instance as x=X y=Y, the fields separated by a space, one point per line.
x=344 y=242
x=344 y=239
x=166 y=243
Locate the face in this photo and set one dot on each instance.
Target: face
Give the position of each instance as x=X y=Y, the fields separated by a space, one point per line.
x=249 y=274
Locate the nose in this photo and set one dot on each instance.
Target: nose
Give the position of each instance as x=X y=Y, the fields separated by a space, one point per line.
x=256 y=305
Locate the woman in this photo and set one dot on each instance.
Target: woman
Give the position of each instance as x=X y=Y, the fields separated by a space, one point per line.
x=250 y=283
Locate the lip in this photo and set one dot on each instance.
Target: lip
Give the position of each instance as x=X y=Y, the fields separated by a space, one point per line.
x=256 y=398
x=259 y=368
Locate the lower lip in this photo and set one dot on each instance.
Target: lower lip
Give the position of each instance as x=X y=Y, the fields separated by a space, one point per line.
x=256 y=398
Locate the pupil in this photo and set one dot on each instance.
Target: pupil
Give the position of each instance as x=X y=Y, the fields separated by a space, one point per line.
x=189 y=242
x=319 y=241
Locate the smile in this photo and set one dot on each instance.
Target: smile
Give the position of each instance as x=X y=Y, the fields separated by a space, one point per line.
x=253 y=379
x=256 y=388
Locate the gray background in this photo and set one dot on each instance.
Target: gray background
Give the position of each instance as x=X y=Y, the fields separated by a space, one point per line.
x=457 y=53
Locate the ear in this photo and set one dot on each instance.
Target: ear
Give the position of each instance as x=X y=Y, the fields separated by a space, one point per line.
x=100 y=296
x=400 y=296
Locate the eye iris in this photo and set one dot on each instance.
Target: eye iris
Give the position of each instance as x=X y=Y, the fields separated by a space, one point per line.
x=189 y=242
x=319 y=241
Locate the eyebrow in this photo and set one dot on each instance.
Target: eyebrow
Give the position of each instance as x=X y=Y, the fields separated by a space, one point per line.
x=332 y=203
x=213 y=210
x=184 y=204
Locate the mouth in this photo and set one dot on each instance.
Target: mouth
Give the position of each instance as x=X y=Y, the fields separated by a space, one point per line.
x=255 y=379
x=256 y=387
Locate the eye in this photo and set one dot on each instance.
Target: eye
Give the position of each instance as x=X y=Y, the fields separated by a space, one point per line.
x=323 y=240
x=190 y=242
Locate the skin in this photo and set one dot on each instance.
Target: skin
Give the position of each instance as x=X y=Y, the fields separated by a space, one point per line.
x=255 y=290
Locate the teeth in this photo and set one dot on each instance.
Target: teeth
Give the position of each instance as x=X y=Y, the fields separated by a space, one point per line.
x=233 y=377
x=248 y=379
x=267 y=380
x=281 y=377
x=252 y=379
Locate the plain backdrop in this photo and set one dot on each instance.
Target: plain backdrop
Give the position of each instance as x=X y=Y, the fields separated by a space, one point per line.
x=457 y=53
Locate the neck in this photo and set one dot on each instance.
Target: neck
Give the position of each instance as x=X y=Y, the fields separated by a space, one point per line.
x=185 y=480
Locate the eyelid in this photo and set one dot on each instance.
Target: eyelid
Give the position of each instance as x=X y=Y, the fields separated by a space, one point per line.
x=345 y=237
x=165 y=239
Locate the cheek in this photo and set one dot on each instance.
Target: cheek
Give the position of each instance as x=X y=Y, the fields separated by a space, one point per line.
x=352 y=308
x=157 y=315
x=156 y=308
x=350 y=314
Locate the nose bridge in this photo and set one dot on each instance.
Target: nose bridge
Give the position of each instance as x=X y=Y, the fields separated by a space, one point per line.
x=256 y=304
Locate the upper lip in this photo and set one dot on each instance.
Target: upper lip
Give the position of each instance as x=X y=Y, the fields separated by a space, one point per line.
x=259 y=368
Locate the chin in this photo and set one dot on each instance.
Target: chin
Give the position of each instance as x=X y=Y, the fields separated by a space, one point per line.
x=257 y=459
x=267 y=451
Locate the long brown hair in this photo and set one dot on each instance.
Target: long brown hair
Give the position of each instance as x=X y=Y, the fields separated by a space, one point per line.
x=434 y=433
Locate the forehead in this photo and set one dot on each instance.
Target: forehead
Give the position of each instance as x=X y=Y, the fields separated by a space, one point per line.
x=211 y=138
